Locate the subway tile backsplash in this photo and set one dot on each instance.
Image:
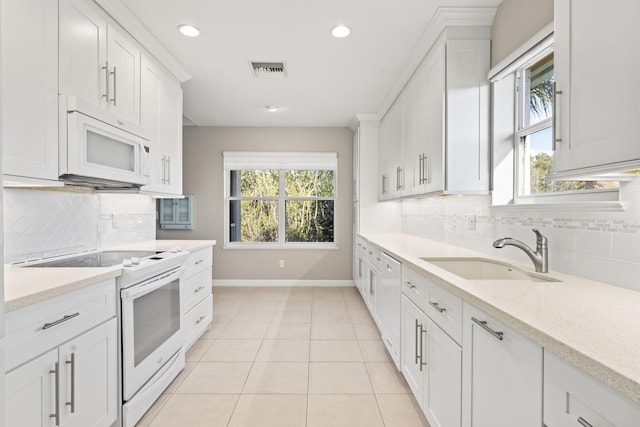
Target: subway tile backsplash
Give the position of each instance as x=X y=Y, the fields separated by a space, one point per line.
x=41 y=223
x=602 y=246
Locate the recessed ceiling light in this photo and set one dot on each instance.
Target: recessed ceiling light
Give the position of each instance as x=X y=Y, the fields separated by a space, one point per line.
x=340 y=31
x=272 y=108
x=189 y=30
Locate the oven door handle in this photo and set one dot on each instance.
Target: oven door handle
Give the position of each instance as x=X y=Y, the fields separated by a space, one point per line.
x=151 y=285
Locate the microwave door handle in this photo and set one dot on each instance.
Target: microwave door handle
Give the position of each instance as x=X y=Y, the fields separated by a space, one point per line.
x=151 y=285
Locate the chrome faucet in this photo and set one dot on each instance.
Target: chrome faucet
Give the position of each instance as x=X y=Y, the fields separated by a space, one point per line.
x=540 y=257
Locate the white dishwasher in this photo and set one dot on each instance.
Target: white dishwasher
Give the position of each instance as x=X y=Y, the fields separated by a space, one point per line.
x=388 y=304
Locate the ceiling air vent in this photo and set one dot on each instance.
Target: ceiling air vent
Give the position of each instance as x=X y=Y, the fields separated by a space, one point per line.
x=269 y=69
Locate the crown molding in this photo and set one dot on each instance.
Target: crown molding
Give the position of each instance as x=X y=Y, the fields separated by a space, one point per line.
x=445 y=18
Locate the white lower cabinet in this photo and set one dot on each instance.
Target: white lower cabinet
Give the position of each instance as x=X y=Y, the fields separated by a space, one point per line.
x=573 y=398
x=444 y=363
x=412 y=365
x=74 y=385
x=197 y=295
x=502 y=374
x=432 y=366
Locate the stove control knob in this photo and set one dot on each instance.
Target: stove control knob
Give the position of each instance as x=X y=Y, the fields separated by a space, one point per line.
x=135 y=261
x=126 y=263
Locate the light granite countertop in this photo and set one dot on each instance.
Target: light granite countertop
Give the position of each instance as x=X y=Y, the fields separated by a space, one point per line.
x=25 y=286
x=592 y=325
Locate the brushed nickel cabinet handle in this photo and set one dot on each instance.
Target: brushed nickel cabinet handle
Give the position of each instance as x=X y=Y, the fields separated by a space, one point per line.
x=115 y=86
x=483 y=325
x=584 y=422
x=56 y=414
x=437 y=307
x=59 y=321
x=106 y=82
x=72 y=403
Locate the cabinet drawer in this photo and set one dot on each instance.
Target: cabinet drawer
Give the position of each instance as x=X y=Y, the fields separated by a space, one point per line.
x=197 y=320
x=196 y=288
x=33 y=330
x=445 y=309
x=571 y=395
x=414 y=286
x=361 y=246
x=198 y=261
x=373 y=255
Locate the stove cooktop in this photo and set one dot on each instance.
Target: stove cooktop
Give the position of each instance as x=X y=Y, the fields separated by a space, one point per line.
x=98 y=259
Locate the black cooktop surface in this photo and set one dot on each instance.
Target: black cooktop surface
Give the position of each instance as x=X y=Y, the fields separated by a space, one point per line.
x=98 y=259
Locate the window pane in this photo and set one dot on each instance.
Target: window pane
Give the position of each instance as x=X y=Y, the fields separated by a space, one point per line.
x=536 y=162
x=538 y=93
x=253 y=221
x=254 y=183
x=309 y=220
x=305 y=183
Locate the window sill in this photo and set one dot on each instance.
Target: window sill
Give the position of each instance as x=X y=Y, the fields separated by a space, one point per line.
x=280 y=247
x=592 y=206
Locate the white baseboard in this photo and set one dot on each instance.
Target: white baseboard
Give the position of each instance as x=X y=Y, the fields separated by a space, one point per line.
x=292 y=283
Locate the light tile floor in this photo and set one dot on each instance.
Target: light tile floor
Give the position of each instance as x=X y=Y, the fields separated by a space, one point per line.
x=288 y=357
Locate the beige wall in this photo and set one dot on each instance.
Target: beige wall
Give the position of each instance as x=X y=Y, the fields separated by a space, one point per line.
x=516 y=21
x=203 y=177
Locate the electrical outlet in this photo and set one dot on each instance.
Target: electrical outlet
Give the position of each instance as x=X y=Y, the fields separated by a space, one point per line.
x=281 y=263
x=471 y=222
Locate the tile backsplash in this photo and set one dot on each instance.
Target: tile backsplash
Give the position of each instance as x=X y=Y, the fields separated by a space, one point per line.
x=595 y=244
x=40 y=223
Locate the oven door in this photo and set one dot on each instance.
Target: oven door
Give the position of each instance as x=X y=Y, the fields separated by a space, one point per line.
x=151 y=328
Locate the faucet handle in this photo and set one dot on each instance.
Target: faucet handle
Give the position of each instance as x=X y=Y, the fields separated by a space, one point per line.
x=540 y=238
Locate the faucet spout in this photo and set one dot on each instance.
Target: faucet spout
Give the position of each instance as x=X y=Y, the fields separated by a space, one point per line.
x=539 y=257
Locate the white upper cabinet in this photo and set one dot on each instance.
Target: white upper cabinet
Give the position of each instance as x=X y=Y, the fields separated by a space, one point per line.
x=29 y=85
x=98 y=63
x=435 y=137
x=161 y=115
x=596 y=111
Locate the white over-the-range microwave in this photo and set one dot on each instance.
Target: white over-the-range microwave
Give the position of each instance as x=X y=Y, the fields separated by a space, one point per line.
x=99 y=150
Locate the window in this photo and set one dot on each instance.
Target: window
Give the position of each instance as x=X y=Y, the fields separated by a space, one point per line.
x=280 y=199
x=529 y=80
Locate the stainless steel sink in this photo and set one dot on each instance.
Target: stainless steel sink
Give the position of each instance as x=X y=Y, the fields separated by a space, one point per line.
x=486 y=269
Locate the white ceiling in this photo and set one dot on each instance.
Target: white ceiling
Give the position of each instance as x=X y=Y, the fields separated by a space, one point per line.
x=329 y=79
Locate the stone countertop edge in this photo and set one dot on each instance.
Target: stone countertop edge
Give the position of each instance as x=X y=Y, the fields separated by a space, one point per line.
x=20 y=291
x=554 y=327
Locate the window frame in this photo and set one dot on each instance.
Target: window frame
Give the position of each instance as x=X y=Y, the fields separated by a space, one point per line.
x=281 y=162
x=535 y=49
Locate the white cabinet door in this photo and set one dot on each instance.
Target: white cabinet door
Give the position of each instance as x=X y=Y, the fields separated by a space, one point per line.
x=467 y=115
x=171 y=133
x=89 y=373
x=83 y=52
x=98 y=63
x=444 y=396
x=124 y=75
x=413 y=355
x=432 y=162
x=161 y=115
x=29 y=70
x=502 y=374
x=30 y=393
x=573 y=398
x=596 y=122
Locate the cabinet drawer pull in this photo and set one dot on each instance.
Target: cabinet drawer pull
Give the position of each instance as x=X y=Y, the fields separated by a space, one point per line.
x=483 y=325
x=72 y=403
x=584 y=422
x=200 y=261
x=437 y=307
x=56 y=414
x=57 y=322
x=200 y=319
x=410 y=285
x=198 y=290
